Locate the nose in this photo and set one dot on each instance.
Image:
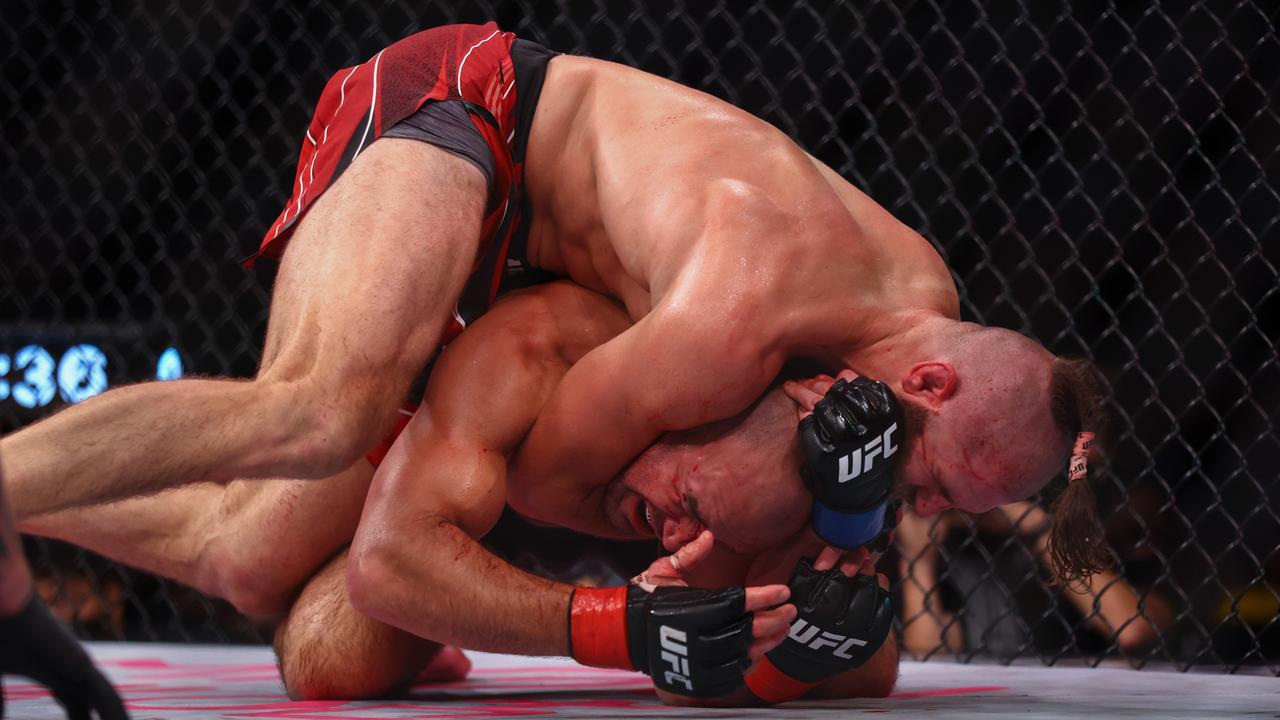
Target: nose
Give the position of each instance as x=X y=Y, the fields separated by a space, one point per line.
x=929 y=502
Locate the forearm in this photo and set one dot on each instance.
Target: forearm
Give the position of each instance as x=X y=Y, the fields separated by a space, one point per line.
x=673 y=370
x=1113 y=609
x=444 y=586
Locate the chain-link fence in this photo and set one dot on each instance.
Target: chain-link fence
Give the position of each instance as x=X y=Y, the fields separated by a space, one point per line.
x=1103 y=177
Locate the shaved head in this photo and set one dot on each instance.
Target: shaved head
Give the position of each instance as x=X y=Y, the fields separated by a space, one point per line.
x=987 y=434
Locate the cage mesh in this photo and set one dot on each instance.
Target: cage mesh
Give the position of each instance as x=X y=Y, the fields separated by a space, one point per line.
x=1101 y=176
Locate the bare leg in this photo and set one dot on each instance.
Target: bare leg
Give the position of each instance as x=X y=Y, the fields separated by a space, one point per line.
x=360 y=301
x=327 y=650
x=252 y=542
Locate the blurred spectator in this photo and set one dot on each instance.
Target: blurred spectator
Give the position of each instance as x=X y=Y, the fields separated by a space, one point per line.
x=942 y=607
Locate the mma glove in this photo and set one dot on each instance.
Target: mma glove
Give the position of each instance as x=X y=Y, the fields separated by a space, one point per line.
x=850 y=445
x=34 y=644
x=841 y=622
x=691 y=641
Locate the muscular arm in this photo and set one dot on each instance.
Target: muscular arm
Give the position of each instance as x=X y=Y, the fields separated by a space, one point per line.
x=667 y=372
x=716 y=337
x=416 y=563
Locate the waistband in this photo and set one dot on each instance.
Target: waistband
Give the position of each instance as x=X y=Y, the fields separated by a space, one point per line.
x=529 y=60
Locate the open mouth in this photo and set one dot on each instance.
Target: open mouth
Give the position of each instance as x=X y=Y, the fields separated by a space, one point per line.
x=641 y=518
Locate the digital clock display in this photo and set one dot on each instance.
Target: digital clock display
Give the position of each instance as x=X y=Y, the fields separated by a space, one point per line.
x=34 y=376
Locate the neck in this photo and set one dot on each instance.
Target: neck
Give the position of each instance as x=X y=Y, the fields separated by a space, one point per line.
x=901 y=341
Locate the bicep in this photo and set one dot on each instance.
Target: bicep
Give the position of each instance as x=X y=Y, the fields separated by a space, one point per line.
x=483 y=395
x=433 y=472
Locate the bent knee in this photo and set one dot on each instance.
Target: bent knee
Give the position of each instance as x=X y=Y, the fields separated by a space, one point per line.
x=313 y=668
x=318 y=661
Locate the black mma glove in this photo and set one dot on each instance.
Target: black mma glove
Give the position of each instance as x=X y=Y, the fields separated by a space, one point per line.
x=841 y=622
x=850 y=447
x=691 y=641
x=34 y=644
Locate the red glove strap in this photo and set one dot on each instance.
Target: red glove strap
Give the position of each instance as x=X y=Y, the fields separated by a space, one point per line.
x=598 y=627
x=772 y=685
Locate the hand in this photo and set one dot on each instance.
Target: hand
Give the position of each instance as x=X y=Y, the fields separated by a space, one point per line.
x=770 y=618
x=850 y=444
x=34 y=644
x=669 y=570
x=693 y=642
x=842 y=622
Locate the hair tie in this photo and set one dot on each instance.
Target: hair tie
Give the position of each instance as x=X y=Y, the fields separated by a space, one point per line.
x=1079 y=467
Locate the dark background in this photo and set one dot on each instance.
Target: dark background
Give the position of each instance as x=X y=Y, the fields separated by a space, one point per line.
x=1101 y=176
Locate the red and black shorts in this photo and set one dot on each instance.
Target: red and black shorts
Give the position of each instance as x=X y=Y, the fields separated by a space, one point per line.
x=468 y=89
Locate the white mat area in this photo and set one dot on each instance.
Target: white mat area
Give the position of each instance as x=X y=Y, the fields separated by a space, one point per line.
x=189 y=682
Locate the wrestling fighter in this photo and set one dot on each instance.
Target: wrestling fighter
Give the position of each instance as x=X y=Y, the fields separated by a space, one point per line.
x=443 y=485
x=462 y=150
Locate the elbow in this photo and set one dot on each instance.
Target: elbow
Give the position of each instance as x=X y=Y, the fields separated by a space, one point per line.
x=371 y=580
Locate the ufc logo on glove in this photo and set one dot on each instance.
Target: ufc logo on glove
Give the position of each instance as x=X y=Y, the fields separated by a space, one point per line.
x=676 y=654
x=815 y=638
x=864 y=458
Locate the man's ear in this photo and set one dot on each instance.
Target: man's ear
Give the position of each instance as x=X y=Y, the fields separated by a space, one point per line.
x=932 y=383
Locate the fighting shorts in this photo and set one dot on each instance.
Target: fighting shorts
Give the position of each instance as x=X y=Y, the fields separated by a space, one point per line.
x=468 y=89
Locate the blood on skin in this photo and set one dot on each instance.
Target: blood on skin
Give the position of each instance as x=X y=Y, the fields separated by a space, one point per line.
x=969 y=465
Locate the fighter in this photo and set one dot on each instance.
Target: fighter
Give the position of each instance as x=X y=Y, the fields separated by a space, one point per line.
x=441 y=488
x=464 y=149
x=253 y=542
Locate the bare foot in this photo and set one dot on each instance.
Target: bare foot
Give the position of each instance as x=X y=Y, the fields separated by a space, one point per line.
x=448 y=665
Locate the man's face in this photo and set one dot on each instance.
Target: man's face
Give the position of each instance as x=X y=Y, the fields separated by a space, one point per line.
x=739 y=478
x=972 y=462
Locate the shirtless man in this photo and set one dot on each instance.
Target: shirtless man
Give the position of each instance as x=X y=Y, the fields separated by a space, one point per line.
x=442 y=487
x=731 y=249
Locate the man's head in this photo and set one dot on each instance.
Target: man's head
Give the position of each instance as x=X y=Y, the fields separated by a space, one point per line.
x=980 y=427
x=990 y=418
x=739 y=477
